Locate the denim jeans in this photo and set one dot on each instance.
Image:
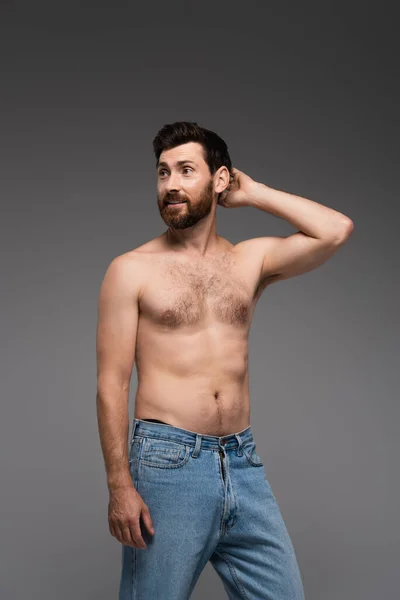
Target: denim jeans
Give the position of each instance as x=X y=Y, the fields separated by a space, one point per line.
x=209 y=500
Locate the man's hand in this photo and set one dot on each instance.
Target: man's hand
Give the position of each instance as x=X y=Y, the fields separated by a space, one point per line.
x=241 y=188
x=125 y=508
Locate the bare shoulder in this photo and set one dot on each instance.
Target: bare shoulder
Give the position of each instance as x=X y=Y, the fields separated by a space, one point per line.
x=136 y=253
x=252 y=254
x=131 y=268
x=254 y=249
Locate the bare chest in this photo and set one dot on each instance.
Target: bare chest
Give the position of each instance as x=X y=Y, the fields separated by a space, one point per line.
x=181 y=293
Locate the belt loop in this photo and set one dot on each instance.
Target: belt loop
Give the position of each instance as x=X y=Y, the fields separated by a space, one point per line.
x=240 y=443
x=197 y=445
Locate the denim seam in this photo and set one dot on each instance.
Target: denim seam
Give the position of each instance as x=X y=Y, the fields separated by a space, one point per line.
x=222 y=522
x=134 y=555
x=234 y=575
x=160 y=437
x=251 y=461
x=133 y=573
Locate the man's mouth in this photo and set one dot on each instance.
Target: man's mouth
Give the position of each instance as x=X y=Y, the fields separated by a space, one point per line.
x=171 y=202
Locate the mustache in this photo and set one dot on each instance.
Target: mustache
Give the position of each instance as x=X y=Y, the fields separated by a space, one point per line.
x=170 y=197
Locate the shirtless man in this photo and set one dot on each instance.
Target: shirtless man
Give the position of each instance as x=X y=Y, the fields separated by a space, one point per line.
x=190 y=482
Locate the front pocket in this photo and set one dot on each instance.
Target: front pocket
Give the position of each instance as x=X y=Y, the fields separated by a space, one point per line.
x=164 y=454
x=251 y=454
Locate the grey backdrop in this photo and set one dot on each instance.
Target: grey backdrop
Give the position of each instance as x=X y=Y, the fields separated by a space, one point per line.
x=306 y=95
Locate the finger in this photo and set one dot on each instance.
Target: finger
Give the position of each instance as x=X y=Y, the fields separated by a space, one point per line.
x=112 y=529
x=137 y=534
x=147 y=519
x=119 y=534
x=126 y=535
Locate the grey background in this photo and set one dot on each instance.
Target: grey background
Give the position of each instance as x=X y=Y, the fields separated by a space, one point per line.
x=306 y=96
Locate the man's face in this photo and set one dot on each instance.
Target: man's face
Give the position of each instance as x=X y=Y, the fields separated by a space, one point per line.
x=184 y=175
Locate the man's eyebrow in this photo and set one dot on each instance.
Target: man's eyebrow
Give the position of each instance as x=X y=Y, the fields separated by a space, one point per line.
x=178 y=163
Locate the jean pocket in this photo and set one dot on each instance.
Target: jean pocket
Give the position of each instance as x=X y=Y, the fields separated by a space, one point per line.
x=252 y=456
x=164 y=454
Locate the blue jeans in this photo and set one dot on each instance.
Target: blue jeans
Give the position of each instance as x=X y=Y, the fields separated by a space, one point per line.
x=209 y=500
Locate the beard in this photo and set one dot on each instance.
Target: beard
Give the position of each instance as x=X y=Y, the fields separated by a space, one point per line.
x=188 y=214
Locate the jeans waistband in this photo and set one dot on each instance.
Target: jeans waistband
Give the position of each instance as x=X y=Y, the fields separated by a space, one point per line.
x=143 y=428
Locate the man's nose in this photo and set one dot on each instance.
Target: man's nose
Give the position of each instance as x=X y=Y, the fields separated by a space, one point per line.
x=173 y=183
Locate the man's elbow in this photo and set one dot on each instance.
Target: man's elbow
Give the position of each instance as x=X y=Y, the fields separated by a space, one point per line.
x=344 y=231
x=111 y=388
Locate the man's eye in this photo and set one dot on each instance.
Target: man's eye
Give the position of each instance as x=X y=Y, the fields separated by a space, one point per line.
x=161 y=171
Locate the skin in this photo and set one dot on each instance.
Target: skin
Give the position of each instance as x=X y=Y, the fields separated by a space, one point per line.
x=181 y=307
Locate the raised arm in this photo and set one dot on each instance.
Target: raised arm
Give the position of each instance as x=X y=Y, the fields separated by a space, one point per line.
x=285 y=257
x=322 y=230
x=115 y=352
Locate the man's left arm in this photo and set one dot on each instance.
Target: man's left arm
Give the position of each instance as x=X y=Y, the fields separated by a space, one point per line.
x=322 y=231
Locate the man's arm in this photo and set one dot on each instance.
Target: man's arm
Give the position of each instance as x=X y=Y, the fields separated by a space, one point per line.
x=322 y=231
x=285 y=257
x=115 y=352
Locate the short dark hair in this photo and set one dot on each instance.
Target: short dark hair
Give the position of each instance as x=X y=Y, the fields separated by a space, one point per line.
x=215 y=149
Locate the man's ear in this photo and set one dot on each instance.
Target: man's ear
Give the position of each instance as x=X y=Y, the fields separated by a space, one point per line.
x=225 y=178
